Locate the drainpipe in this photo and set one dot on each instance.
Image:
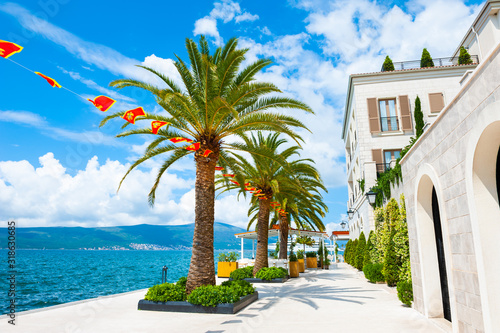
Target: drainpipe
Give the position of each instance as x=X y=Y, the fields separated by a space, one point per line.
x=478 y=44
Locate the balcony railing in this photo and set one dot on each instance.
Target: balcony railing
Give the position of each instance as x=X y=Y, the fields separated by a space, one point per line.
x=382 y=167
x=389 y=124
x=412 y=64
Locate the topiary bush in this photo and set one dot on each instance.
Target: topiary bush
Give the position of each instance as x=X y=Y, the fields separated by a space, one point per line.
x=360 y=252
x=388 y=65
x=464 y=57
x=166 y=292
x=426 y=59
x=373 y=272
x=242 y=273
x=405 y=292
x=269 y=273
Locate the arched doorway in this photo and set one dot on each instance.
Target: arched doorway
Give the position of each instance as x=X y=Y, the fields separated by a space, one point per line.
x=433 y=248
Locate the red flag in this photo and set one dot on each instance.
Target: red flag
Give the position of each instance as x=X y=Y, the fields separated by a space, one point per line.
x=130 y=115
x=228 y=175
x=247 y=184
x=103 y=103
x=206 y=153
x=50 y=80
x=218 y=168
x=156 y=125
x=194 y=146
x=235 y=182
x=250 y=189
x=179 y=139
x=7 y=49
x=258 y=191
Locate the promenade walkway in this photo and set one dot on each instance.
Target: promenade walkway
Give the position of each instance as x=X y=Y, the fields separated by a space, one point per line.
x=338 y=300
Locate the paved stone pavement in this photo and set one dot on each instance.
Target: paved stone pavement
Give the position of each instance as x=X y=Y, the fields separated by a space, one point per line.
x=335 y=300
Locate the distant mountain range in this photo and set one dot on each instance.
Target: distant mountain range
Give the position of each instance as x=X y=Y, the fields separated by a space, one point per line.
x=142 y=236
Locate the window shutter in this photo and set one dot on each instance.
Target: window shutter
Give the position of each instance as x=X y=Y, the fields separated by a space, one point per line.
x=436 y=102
x=378 y=158
x=373 y=116
x=404 y=103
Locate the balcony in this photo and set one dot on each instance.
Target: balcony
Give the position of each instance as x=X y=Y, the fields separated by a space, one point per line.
x=389 y=124
x=412 y=64
x=382 y=167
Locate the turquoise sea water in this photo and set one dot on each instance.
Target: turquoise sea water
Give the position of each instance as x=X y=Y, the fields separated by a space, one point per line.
x=50 y=277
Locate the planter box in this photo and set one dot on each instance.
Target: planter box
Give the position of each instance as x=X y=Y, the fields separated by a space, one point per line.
x=226 y=308
x=294 y=268
x=301 y=266
x=254 y=280
x=225 y=268
x=312 y=262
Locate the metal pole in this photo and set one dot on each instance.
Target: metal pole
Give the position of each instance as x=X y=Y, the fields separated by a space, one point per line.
x=253 y=248
x=164 y=274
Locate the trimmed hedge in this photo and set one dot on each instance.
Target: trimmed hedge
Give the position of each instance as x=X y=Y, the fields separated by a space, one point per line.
x=269 y=273
x=242 y=273
x=405 y=292
x=373 y=272
x=166 y=292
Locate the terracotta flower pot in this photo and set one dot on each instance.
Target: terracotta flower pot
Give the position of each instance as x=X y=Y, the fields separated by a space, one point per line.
x=225 y=268
x=294 y=268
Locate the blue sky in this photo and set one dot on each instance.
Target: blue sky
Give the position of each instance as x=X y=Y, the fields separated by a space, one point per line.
x=58 y=168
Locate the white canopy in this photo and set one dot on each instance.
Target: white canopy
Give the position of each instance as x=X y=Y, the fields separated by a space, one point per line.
x=275 y=232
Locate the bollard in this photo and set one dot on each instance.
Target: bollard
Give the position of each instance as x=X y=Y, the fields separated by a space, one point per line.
x=164 y=274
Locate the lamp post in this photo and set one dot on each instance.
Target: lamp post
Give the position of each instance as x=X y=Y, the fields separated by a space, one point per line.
x=343 y=224
x=372 y=196
x=350 y=213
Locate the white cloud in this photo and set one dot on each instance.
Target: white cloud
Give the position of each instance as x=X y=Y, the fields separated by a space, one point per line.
x=246 y=17
x=225 y=10
x=47 y=195
x=207 y=26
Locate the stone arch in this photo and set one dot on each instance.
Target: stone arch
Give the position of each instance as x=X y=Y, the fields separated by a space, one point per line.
x=483 y=192
x=430 y=209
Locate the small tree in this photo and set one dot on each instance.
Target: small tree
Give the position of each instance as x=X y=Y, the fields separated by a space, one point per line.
x=419 y=117
x=426 y=60
x=464 y=57
x=368 y=249
x=388 y=65
x=360 y=252
x=352 y=256
x=391 y=263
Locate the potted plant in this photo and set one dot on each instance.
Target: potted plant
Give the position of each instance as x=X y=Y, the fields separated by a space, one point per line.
x=300 y=257
x=311 y=260
x=294 y=266
x=326 y=264
x=226 y=263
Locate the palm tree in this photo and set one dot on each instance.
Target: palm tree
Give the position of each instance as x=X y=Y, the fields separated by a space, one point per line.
x=264 y=177
x=217 y=102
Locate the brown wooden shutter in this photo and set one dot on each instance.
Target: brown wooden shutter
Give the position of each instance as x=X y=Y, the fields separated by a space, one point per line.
x=436 y=101
x=378 y=158
x=373 y=116
x=404 y=103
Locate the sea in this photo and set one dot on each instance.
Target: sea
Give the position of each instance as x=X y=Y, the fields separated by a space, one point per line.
x=45 y=278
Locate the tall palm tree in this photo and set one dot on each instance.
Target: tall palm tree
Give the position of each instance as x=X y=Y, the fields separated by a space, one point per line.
x=263 y=176
x=217 y=101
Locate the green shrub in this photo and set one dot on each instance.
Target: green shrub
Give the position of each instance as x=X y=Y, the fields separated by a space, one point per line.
x=360 y=252
x=166 y=292
x=213 y=295
x=182 y=282
x=269 y=273
x=311 y=254
x=368 y=249
x=419 y=118
x=388 y=65
x=373 y=272
x=464 y=57
x=300 y=254
x=352 y=255
x=292 y=257
x=228 y=257
x=405 y=292
x=426 y=59
x=242 y=273
x=240 y=287
x=391 y=263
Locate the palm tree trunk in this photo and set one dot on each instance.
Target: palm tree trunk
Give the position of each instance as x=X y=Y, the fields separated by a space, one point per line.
x=262 y=235
x=283 y=237
x=202 y=269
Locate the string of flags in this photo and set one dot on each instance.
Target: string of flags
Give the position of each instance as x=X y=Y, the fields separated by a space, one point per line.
x=104 y=103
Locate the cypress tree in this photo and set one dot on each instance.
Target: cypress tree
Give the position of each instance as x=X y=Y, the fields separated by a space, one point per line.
x=464 y=57
x=369 y=248
x=360 y=252
x=419 y=117
x=391 y=263
x=388 y=65
x=352 y=256
x=426 y=60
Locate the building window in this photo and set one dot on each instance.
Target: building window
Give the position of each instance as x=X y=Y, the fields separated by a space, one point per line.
x=390 y=155
x=388 y=116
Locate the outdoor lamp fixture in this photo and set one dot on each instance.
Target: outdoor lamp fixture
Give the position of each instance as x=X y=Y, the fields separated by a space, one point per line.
x=350 y=212
x=343 y=224
x=372 y=196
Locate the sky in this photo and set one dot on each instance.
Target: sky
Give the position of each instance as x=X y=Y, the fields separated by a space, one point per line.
x=58 y=168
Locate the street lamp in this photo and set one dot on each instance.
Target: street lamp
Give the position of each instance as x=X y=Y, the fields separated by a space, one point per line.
x=350 y=213
x=372 y=196
x=343 y=224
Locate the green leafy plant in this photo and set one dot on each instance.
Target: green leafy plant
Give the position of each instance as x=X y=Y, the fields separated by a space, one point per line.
x=242 y=273
x=240 y=287
x=228 y=257
x=391 y=263
x=182 y=282
x=326 y=262
x=311 y=254
x=368 y=249
x=293 y=257
x=361 y=183
x=373 y=272
x=419 y=118
x=269 y=273
x=360 y=251
x=213 y=295
x=426 y=59
x=405 y=292
x=300 y=254
x=388 y=64
x=464 y=57
x=166 y=292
